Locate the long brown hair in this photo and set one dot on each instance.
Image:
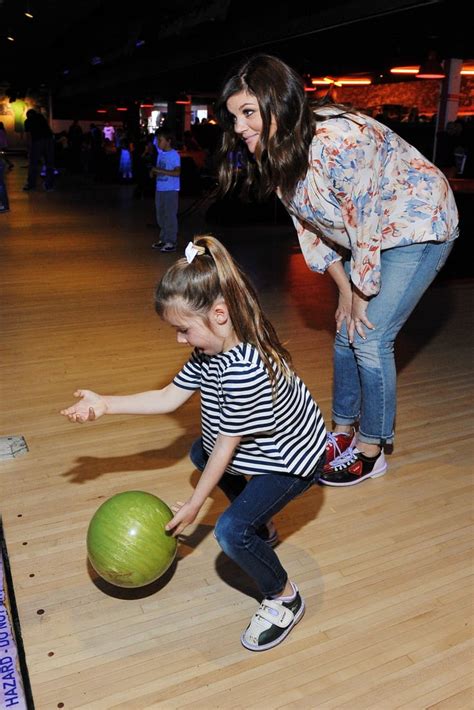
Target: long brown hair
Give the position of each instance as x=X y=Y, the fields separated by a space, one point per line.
x=280 y=93
x=284 y=158
x=212 y=275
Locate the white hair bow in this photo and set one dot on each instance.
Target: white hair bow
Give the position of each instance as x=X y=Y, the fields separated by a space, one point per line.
x=192 y=250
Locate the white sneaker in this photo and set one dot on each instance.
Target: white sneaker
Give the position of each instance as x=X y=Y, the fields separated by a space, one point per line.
x=272 y=622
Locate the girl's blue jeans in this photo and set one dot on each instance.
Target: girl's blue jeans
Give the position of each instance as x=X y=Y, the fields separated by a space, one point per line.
x=253 y=502
x=364 y=373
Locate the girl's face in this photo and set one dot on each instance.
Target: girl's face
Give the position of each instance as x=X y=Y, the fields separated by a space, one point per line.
x=207 y=335
x=248 y=122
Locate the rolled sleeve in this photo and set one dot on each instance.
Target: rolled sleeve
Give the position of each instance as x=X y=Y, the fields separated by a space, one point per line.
x=317 y=254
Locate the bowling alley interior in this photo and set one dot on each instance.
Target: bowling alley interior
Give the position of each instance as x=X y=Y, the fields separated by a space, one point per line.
x=102 y=607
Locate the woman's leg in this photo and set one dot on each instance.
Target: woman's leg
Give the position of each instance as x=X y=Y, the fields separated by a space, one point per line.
x=406 y=274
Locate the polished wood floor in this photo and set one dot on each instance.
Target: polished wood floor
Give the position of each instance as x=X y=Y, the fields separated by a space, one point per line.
x=385 y=567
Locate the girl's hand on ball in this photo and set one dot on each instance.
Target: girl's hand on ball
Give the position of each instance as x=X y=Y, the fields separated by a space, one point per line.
x=90 y=407
x=185 y=514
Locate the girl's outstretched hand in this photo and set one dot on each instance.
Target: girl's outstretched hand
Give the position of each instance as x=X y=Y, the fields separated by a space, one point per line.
x=90 y=407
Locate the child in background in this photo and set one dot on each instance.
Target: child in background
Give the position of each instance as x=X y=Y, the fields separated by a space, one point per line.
x=263 y=437
x=125 y=162
x=167 y=172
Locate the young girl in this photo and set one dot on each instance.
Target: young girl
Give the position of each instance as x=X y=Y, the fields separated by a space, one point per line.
x=263 y=437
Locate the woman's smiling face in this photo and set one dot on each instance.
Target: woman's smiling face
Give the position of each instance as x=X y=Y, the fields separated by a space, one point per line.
x=248 y=122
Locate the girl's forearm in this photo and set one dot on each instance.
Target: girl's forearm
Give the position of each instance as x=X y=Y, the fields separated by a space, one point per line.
x=161 y=401
x=215 y=468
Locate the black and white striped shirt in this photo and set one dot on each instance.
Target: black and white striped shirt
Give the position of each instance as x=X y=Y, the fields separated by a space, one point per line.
x=281 y=434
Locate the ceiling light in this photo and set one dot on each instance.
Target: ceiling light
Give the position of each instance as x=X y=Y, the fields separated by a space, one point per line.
x=405 y=70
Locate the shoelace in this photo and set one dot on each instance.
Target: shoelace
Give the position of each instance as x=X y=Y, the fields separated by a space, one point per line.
x=332 y=440
x=347 y=456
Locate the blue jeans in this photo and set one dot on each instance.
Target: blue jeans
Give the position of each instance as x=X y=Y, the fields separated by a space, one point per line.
x=253 y=503
x=364 y=373
x=166 y=206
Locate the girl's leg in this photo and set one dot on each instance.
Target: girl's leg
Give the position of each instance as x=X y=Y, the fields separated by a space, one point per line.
x=237 y=528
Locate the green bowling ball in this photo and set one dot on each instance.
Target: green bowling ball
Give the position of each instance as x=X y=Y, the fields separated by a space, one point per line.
x=127 y=543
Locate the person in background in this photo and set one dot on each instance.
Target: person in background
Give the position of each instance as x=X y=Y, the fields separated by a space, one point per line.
x=4 y=146
x=4 y=203
x=167 y=172
x=40 y=143
x=370 y=210
x=125 y=160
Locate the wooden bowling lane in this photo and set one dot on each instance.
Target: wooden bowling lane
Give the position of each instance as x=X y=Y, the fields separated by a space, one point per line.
x=385 y=567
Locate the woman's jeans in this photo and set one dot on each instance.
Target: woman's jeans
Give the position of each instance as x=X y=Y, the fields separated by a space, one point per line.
x=364 y=373
x=253 y=503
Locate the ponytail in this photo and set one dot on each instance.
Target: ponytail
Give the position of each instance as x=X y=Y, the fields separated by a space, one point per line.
x=215 y=274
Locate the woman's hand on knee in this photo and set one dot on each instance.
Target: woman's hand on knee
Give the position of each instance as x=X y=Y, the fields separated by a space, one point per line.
x=359 y=320
x=343 y=311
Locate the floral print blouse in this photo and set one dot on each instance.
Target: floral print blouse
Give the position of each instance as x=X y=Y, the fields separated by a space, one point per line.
x=366 y=190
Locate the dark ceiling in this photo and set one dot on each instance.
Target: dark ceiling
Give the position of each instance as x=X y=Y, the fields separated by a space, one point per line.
x=158 y=49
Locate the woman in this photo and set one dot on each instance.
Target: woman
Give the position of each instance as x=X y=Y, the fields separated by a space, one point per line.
x=370 y=210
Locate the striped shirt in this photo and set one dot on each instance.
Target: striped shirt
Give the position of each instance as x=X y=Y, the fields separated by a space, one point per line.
x=284 y=433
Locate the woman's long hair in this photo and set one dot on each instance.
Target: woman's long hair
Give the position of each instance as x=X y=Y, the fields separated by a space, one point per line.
x=212 y=275
x=279 y=91
x=283 y=159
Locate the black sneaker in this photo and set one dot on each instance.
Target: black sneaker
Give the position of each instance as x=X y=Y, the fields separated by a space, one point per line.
x=272 y=622
x=168 y=247
x=157 y=245
x=353 y=467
